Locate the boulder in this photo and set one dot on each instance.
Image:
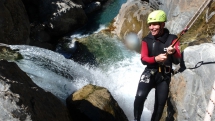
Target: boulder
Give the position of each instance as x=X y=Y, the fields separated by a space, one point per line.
x=52 y=19
x=62 y=17
x=94 y=103
x=132 y=18
x=14 y=23
x=190 y=89
x=21 y=99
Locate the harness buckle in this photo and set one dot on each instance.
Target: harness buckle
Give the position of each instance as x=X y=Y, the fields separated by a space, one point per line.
x=167 y=69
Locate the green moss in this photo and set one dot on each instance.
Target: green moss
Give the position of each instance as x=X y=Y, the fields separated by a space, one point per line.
x=7 y=54
x=104 y=47
x=201 y=31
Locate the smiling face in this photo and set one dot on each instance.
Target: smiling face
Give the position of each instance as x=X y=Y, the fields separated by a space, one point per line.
x=156 y=28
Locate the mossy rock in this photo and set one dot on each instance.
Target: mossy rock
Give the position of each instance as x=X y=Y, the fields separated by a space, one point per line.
x=7 y=54
x=202 y=30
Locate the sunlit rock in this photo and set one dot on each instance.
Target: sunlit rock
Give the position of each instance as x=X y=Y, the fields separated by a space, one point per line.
x=132 y=18
x=94 y=103
x=179 y=12
x=190 y=89
x=7 y=54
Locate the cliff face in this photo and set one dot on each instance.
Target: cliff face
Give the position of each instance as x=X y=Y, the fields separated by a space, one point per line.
x=14 y=23
x=42 y=23
x=179 y=15
x=132 y=18
x=21 y=99
x=179 y=12
x=133 y=15
x=191 y=88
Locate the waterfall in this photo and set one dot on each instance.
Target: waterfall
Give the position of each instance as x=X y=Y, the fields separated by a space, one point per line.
x=60 y=76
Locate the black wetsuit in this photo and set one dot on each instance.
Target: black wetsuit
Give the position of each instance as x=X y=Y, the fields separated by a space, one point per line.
x=152 y=78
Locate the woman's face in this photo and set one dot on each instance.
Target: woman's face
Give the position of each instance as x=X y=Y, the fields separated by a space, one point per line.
x=156 y=28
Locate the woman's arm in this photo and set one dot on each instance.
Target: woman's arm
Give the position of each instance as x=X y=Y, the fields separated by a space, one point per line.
x=144 y=54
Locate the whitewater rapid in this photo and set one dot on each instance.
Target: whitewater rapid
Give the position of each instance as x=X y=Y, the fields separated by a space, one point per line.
x=61 y=76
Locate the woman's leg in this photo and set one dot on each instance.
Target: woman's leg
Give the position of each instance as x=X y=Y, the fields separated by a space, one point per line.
x=143 y=89
x=161 y=95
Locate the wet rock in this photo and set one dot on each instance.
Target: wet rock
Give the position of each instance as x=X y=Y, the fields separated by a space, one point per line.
x=21 y=99
x=67 y=46
x=7 y=54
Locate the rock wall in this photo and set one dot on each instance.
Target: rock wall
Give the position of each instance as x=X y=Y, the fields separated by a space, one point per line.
x=52 y=19
x=190 y=89
x=132 y=18
x=21 y=99
x=133 y=15
x=179 y=12
x=42 y=23
x=14 y=23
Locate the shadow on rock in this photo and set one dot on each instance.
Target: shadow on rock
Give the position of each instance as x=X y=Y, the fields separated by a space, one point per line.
x=94 y=103
x=82 y=55
x=83 y=110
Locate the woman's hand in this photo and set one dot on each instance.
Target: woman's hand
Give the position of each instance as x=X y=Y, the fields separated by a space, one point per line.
x=170 y=50
x=161 y=58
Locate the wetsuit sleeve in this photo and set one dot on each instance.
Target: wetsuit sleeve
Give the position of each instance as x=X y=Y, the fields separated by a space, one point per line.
x=177 y=53
x=144 y=55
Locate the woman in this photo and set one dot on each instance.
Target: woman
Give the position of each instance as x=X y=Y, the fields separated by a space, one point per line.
x=158 y=55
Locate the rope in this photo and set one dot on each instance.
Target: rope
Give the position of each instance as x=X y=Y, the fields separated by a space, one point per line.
x=183 y=67
x=198 y=13
x=200 y=63
x=211 y=104
x=193 y=19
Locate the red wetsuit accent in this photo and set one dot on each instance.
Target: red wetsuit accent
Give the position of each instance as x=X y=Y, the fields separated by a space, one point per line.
x=150 y=60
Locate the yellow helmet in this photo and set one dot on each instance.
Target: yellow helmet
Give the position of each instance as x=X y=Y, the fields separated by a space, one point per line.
x=156 y=16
